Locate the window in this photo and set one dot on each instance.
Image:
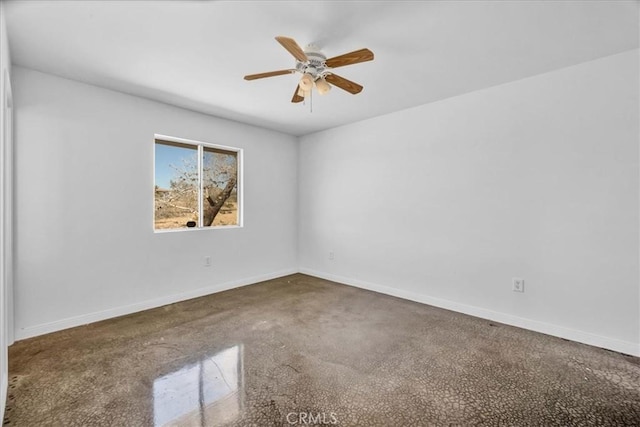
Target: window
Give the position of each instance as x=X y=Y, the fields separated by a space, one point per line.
x=197 y=185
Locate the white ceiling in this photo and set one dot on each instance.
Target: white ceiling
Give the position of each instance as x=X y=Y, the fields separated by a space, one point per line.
x=194 y=54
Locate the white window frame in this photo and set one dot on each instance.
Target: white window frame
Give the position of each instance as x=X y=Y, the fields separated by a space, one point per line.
x=200 y=145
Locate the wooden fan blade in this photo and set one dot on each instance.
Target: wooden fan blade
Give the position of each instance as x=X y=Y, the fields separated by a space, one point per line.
x=343 y=83
x=269 y=74
x=297 y=98
x=362 y=55
x=293 y=48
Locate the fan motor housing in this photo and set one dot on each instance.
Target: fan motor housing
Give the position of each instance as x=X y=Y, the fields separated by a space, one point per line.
x=315 y=66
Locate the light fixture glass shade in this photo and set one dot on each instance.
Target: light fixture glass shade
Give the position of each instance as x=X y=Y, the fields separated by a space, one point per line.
x=306 y=82
x=322 y=86
x=301 y=92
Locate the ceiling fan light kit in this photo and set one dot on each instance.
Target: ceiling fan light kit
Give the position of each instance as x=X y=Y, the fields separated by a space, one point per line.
x=322 y=86
x=316 y=69
x=306 y=82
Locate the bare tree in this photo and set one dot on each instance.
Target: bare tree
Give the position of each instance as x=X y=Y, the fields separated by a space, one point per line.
x=215 y=204
x=219 y=179
x=220 y=173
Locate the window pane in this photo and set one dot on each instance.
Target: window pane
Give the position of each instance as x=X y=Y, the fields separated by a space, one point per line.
x=176 y=185
x=220 y=189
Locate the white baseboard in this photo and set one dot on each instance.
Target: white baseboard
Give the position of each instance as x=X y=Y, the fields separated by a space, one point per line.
x=626 y=347
x=70 y=322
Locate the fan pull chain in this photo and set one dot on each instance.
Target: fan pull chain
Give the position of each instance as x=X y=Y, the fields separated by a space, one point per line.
x=304 y=100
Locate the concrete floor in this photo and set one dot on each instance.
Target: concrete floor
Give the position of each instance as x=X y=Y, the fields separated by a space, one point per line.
x=304 y=351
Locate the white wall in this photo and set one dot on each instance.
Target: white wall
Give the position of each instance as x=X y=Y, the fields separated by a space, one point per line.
x=86 y=249
x=6 y=206
x=446 y=202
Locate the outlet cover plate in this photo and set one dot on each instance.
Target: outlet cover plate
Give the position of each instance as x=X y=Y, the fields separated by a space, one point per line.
x=518 y=284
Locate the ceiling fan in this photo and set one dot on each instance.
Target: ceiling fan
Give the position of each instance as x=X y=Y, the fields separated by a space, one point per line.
x=316 y=69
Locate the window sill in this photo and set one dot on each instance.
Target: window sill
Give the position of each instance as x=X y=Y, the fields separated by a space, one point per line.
x=191 y=229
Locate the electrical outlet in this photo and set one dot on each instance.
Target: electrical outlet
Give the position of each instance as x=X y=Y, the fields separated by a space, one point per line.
x=518 y=284
x=331 y=256
x=207 y=261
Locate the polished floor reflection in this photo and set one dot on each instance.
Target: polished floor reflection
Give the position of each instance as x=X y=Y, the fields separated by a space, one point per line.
x=304 y=351
x=206 y=393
